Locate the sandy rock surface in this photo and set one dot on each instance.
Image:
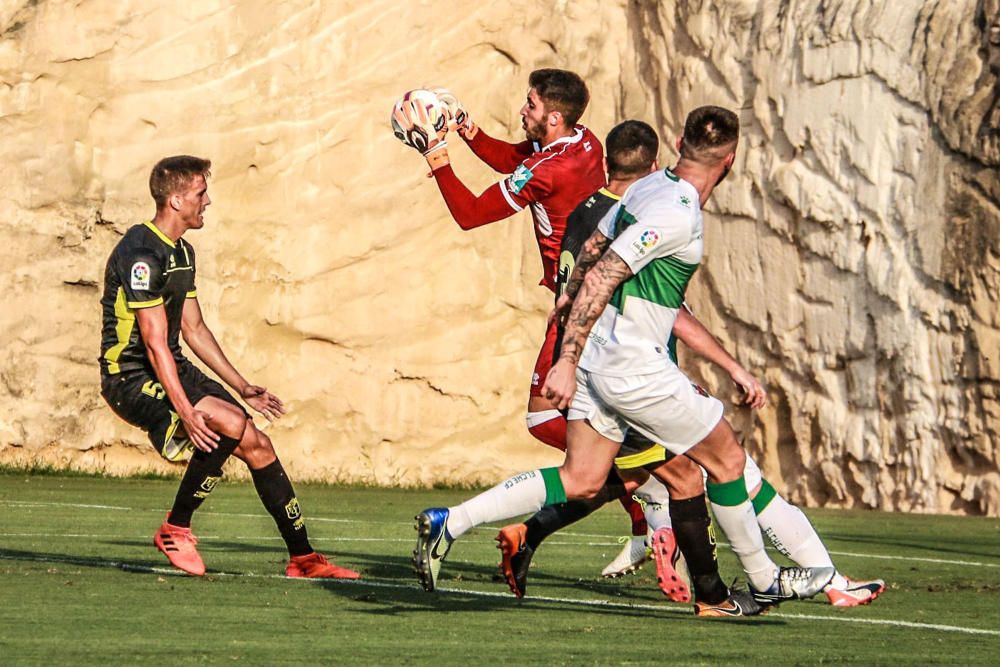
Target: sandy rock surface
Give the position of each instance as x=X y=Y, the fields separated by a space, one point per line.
x=853 y=255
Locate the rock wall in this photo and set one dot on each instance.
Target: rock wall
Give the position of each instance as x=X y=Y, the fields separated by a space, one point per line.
x=854 y=260
x=853 y=255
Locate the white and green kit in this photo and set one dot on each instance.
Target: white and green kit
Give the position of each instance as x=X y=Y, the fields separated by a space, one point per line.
x=626 y=376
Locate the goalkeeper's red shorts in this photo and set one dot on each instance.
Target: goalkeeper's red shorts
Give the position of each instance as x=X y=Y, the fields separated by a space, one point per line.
x=544 y=362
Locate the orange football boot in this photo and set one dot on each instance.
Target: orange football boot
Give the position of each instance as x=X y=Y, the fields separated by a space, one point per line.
x=178 y=545
x=316 y=566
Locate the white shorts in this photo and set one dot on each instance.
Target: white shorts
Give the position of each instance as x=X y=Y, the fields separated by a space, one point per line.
x=664 y=406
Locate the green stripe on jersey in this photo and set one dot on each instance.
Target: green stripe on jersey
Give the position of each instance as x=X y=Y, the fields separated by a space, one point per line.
x=623 y=221
x=663 y=282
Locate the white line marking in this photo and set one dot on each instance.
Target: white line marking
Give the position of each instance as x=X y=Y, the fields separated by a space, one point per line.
x=39 y=503
x=275 y=538
x=130 y=567
x=564 y=534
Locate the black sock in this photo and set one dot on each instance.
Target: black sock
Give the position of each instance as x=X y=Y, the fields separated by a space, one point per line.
x=203 y=472
x=551 y=518
x=275 y=491
x=692 y=528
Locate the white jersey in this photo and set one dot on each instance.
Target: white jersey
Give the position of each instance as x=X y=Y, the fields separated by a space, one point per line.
x=657 y=230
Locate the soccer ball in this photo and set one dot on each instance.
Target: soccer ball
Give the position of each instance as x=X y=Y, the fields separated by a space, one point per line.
x=437 y=112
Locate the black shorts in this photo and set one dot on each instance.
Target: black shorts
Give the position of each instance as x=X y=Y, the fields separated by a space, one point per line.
x=139 y=398
x=638 y=451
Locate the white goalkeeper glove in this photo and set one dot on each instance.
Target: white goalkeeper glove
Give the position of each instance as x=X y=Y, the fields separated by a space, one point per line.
x=418 y=128
x=459 y=118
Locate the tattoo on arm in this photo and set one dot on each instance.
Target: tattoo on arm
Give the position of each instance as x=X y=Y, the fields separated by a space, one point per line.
x=598 y=286
x=592 y=250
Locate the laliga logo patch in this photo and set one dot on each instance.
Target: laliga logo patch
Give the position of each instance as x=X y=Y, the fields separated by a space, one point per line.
x=140 y=275
x=645 y=242
x=519 y=178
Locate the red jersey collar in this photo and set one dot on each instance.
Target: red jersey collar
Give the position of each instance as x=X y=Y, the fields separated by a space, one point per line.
x=571 y=139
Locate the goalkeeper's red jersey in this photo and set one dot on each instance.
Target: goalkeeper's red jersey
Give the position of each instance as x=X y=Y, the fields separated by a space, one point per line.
x=549 y=180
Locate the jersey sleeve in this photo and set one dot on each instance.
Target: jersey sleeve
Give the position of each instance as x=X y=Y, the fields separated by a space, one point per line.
x=143 y=278
x=468 y=210
x=531 y=181
x=500 y=155
x=640 y=243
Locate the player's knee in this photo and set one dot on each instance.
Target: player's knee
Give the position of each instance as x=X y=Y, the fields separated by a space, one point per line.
x=582 y=487
x=731 y=464
x=228 y=420
x=256 y=448
x=682 y=477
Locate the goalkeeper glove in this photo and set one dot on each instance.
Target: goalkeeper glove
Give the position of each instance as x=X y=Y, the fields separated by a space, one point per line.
x=418 y=128
x=459 y=117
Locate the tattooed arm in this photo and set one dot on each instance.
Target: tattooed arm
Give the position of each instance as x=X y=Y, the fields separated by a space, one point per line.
x=591 y=251
x=597 y=287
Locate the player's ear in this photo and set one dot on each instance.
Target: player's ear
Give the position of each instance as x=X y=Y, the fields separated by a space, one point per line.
x=175 y=202
x=679 y=144
x=655 y=166
x=604 y=162
x=555 y=118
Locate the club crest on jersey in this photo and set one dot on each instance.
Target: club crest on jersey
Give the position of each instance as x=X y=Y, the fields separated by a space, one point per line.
x=645 y=242
x=519 y=178
x=685 y=201
x=140 y=276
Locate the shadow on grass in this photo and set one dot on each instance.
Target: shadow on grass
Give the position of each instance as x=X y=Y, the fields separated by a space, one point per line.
x=399 y=568
x=382 y=596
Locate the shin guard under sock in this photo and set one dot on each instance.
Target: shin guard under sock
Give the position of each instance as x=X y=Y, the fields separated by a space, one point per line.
x=203 y=472
x=696 y=540
x=278 y=496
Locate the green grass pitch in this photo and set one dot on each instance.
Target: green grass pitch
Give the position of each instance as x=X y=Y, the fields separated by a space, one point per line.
x=81 y=583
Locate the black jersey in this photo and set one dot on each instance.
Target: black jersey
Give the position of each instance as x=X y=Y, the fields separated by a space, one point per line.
x=579 y=227
x=145 y=269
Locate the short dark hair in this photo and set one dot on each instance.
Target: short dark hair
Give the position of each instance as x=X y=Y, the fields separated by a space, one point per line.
x=631 y=149
x=561 y=90
x=710 y=133
x=173 y=173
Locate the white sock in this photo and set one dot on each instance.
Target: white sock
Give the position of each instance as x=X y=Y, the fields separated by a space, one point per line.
x=791 y=533
x=655 y=501
x=739 y=523
x=521 y=494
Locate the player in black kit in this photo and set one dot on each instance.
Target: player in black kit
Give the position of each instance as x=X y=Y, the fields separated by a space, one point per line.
x=149 y=301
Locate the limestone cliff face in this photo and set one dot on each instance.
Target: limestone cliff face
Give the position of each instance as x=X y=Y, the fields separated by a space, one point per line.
x=854 y=258
x=853 y=254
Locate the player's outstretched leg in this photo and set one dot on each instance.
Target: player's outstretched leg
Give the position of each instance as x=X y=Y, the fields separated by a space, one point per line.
x=438 y=527
x=279 y=499
x=724 y=460
x=791 y=533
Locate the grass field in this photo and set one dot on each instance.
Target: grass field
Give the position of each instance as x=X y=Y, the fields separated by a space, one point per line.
x=80 y=583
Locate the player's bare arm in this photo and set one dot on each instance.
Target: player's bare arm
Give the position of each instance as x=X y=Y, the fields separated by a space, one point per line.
x=598 y=285
x=206 y=347
x=592 y=250
x=153 y=327
x=693 y=333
